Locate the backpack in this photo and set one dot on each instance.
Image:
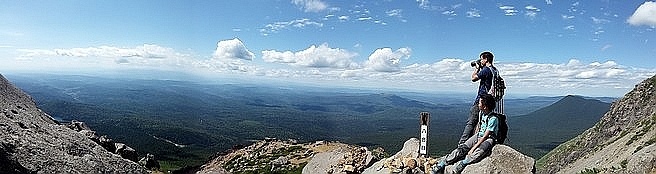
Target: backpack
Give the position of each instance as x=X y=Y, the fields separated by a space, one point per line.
x=501 y=136
x=498 y=88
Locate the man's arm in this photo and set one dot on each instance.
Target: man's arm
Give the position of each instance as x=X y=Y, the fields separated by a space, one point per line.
x=474 y=75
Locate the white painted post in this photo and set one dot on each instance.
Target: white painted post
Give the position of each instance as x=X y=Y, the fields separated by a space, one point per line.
x=424 y=119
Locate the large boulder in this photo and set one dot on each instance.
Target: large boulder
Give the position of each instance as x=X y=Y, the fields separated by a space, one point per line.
x=503 y=159
x=343 y=159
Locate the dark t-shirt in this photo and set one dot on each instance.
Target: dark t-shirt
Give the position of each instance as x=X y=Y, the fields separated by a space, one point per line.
x=485 y=82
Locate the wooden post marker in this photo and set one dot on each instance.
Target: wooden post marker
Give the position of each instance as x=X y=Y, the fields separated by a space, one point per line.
x=424 y=119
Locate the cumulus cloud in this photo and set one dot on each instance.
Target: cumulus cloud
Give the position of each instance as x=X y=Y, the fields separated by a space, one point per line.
x=644 y=15
x=603 y=78
x=232 y=49
x=310 y=5
x=386 y=60
x=320 y=56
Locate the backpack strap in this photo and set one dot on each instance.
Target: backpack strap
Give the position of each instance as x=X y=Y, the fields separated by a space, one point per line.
x=493 y=114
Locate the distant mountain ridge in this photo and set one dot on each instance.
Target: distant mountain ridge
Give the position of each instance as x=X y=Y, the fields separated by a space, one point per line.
x=542 y=130
x=621 y=142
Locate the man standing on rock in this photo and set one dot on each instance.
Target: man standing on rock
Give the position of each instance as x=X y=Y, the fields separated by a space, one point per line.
x=483 y=72
x=477 y=146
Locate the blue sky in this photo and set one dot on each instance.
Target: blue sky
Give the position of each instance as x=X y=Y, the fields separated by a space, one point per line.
x=597 y=48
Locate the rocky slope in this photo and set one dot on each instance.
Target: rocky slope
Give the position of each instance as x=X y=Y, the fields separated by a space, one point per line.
x=32 y=142
x=621 y=142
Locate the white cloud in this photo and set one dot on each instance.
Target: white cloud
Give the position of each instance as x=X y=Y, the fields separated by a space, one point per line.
x=531 y=11
x=383 y=68
x=386 y=60
x=320 y=56
x=449 y=13
x=364 y=18
x=143 y=51
x=605 y=47
x=394 y=13
x=600 y=21
x=297 y=23
x=310 y=5
x=569 y=27
x=549 y=2
x=644 y=15
x=473 y=13
x=566 y=17
x=532 y=8
x=232 y=49
x=424 y=4
x=508 y=10
x=343 y=18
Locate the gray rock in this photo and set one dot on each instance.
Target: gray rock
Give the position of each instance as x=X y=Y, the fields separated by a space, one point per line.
x=503 y=159
x=324 y=162
x=126 y=152
x=33 y=142
x=343 y=159
x=643 y=161
x=149 y=162
x=410 y=150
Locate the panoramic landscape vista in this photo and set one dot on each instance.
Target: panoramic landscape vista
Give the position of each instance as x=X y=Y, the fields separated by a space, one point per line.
x=187 y=81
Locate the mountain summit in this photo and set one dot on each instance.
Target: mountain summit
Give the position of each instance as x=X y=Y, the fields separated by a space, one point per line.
x=621 y=142
x=33 y=142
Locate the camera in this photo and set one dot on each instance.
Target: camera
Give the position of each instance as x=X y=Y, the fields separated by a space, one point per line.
x=476 y=62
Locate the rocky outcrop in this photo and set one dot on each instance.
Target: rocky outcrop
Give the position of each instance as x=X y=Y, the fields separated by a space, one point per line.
x=271 y=155
x=121 y=149
x=268 y=155
x=503 y=159
x=343 y=159
x=32 y=142
x=149 y=162
x=621 y=142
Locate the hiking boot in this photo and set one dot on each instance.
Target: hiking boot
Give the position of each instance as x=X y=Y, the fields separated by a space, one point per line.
x=437 y=169
x=458 y=168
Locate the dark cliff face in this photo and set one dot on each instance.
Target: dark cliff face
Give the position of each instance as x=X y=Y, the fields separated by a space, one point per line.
x=31 y=141
x=627 y=120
